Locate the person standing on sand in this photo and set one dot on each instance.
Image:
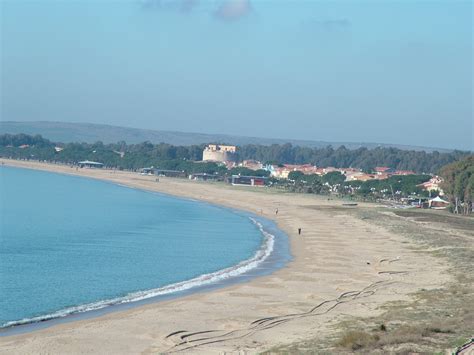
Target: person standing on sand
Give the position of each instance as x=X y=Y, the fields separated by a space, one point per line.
x=299 y=231
x=276 y=211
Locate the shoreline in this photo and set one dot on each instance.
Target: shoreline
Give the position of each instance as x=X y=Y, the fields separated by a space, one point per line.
x=272 y=255
x=331 y=258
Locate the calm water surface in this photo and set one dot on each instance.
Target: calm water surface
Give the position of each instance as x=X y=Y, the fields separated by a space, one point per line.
x=69 y=241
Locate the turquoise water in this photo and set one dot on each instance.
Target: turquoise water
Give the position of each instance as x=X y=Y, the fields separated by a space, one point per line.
x=70 y=244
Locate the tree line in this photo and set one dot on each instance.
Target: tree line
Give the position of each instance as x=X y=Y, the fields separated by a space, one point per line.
x=134 y=156
x=394 y=187
x=459 y=184
x=363 y=158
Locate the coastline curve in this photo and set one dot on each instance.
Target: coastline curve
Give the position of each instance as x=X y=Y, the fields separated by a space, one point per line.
x=272 y=255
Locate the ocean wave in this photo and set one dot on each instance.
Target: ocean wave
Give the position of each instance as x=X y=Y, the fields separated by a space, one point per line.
x=206 y=279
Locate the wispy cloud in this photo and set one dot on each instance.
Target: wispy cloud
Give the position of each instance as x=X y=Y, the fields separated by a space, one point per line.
x=231 y=10
x=227 y=10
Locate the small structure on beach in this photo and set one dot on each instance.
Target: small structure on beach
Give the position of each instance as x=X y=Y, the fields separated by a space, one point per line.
x=203 y=177
x=249 y=180
x=147 y=171
x=438 y=203
x=90 y=164
x=170 y=173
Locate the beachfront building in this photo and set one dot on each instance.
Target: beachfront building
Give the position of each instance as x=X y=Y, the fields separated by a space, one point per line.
x=162 y=172
x=203 y=177
x=147 y=171
x=249 y=180
x=438 y=203
x=219 y=153
x=90 y=164
x=169 y=173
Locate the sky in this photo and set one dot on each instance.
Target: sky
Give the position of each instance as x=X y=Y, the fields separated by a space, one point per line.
x=398 y=72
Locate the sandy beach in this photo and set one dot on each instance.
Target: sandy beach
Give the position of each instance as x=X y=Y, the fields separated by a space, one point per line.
x=342 y=267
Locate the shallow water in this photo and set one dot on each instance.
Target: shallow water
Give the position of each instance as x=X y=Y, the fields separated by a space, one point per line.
x=70 y=244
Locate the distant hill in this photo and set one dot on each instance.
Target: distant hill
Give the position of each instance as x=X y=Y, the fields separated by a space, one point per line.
x=91 y=132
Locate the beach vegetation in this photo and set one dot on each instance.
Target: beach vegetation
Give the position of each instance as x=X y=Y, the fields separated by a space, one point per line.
x=188 y=160
x=459 y=185
x=121 y=155
x=356 y=340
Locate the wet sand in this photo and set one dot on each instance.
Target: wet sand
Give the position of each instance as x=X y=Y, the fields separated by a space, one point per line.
x=342 y=267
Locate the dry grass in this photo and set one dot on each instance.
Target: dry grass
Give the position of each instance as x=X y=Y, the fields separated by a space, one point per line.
x=443 y=217
x=437 y=319
x=356 y=339
x=398 y=339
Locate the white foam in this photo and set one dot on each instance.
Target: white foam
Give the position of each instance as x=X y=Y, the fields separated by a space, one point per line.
x=244 y=266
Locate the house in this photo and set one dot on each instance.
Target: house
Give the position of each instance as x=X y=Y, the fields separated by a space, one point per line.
x=306 y=169
x=251 y=164
x=382 y=176
x=358 y=176
x=278 y=171
x=433 y=184
x=282 y=172
x=379 y=170
x=364 y=177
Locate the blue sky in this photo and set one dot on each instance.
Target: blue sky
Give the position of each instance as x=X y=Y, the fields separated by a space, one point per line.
x=380 y=71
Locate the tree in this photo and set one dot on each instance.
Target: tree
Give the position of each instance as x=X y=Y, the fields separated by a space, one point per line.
x=147 y=153
x=459 y=184
x=295 y=175
x=334 y=178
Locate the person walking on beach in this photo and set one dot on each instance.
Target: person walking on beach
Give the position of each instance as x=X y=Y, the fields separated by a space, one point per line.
x=299 y=231
x=276 y=211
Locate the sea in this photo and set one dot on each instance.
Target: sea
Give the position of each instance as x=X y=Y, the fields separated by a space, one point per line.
x=70 y=245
